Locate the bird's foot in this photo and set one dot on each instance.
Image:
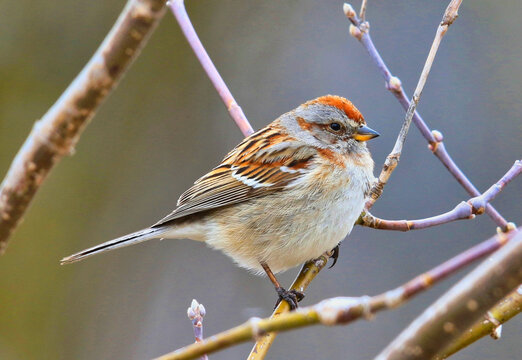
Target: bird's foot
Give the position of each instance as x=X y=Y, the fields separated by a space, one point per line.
x=292 y=297
x=334 y=256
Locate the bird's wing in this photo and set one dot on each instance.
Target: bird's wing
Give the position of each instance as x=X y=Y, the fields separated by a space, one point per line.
x=265 y=162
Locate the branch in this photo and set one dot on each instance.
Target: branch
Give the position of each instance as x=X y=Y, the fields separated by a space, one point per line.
x=342 y=310
x=488 y=325
x=56 y=134
x=235 y=111
x=303 y=279
x=360 y=30
x=362 y=12
x=463 y=305
x=393 y=158
x=464 y=210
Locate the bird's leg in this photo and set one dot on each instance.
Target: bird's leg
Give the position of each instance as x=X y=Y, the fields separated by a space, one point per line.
x=334 y=256
x=292 y=297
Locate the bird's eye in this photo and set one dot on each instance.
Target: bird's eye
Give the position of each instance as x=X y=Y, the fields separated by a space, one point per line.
x=335 y=126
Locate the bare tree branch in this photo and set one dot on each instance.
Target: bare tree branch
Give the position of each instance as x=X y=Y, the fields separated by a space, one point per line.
x=489 y=324
x=362 y=12
x=360 y=30
x=392 y=159
x=343 y=310
x=235 y=111
x=464 y=210
x=464 y=304
x=303 y=279
x=56 y=134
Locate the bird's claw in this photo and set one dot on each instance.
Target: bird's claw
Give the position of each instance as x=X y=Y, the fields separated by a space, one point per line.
x=292 y=297
x=334 y=256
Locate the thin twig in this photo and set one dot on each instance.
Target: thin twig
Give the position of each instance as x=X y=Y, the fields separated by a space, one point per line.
x=195 y=313
x=464 y=210
x=235 y=111
x=56 y=134
x=362 y=13
x=465 y=303
x=392 y=159
x=434 y=138
x=480 y=202
x=343 y=310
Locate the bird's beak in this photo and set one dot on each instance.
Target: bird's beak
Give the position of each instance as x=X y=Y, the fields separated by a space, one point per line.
x=364 y=133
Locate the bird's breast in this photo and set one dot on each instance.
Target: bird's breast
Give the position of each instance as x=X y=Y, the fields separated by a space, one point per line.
x=287 y=228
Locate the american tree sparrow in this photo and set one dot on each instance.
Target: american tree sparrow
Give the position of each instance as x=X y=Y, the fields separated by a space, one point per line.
x=284 y=195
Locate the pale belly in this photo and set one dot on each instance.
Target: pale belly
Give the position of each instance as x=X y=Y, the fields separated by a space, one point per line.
x=287 y=229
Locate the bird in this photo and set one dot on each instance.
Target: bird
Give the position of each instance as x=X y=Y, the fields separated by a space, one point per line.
x=284 y=195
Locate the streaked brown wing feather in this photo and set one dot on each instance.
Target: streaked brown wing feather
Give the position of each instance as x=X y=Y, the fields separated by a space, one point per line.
x=265 y=162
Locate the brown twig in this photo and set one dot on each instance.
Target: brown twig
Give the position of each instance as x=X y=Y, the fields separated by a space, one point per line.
x=360 y=30
x=343 y=310
x=465 y=303
x=235 y=111
x=392 y=159
x=57 y=132
x=464 y=210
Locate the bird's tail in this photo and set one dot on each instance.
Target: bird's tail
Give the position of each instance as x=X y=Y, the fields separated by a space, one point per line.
x=129 y=239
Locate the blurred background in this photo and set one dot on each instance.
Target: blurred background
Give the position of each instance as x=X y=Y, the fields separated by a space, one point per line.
x=165 y=126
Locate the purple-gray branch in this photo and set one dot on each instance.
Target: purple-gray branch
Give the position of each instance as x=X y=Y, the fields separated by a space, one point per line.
x=235 y=111
x=464 y=210
x=464 y=304
x=434 y=138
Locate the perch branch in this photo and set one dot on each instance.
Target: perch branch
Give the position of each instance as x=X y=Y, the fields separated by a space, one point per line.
x=464 y=210
x=57 y=132
x=342 y=310
x=360 y=30
x=235 y=111
x=392 y=159
x=463 y=305
x=303 y=279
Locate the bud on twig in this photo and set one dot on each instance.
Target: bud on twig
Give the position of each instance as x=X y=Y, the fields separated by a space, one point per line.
x=349 y=11
x=355 y=32
x=394 y=84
